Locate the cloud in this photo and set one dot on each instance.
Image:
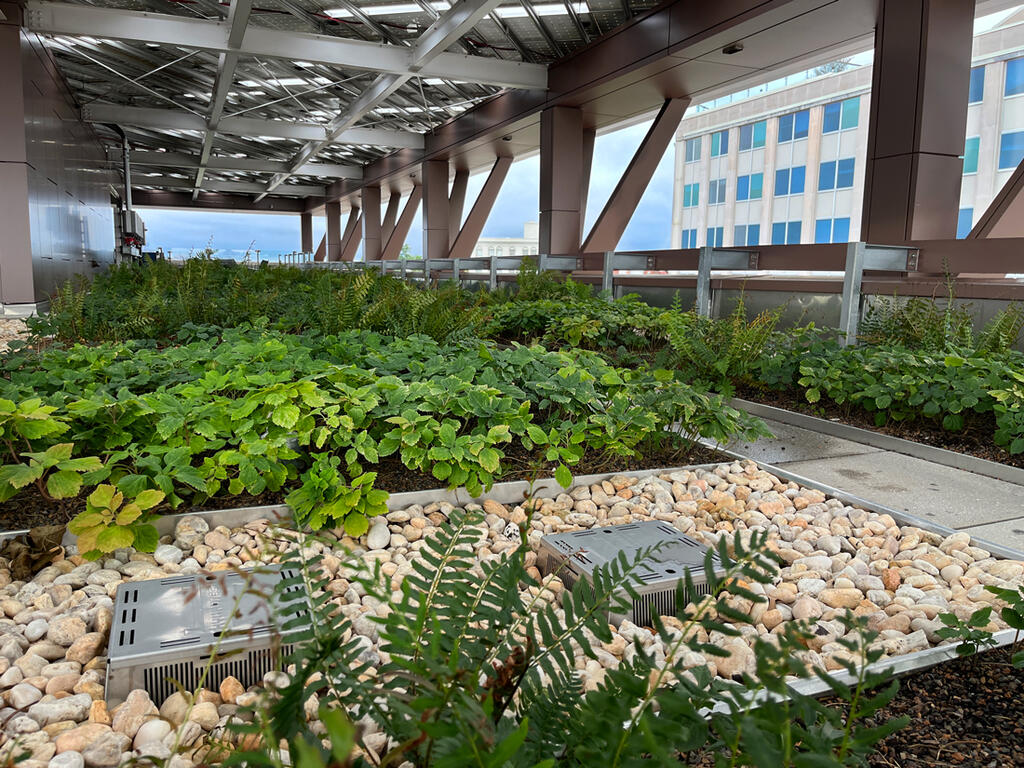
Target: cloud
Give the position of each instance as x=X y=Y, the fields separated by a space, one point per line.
x=517 y=203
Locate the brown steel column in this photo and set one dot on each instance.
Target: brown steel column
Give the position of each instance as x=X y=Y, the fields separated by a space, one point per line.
x=456 y=203
x=306 y=225
x=353 y=235
x=622 y=204
x=372 y=241
x=436 y=207
x=321 y=250
x=333 y=211
x=561 y=180
x=918 y=116
x=400 y=231
x=390 y=216
x=467 y=239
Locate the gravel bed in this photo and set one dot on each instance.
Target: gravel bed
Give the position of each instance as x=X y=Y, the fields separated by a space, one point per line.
x=53 y=629
x=11 y=329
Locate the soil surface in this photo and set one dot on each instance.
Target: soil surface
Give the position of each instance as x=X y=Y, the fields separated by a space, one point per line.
x=967 y=713
x=29 y=508
x=974 y=440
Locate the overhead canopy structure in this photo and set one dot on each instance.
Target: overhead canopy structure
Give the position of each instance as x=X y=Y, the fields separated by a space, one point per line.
x=334 y=106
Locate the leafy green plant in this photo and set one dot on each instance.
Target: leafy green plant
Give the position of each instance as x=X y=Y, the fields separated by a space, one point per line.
x=108 y=523
x=718 y=352
x=472 y=671
x=327 y=496
x=55 y=473
x=971 y=633
x=1013 y=614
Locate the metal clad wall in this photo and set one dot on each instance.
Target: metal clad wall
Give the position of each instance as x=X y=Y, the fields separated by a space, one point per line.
x=55 y=163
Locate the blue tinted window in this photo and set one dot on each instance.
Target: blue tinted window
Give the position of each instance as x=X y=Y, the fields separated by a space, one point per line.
x=779 y=233
x=739 y=234
x=844 y=173
x=801 y=124
x=796 y=180
x=794 y=126
x=830 y=121
x=743 y=188
x=785 y=128
x=746 y=136
x=715 y=237
x=823 y=231
x=841 y=230
x=827 y=175
x=964 y=222
x=782 y=182
x=693 y=150
x=753 y=234
x=786 y=233
x=719 y=143
x=1011 y=150
x=691 y=195
x=1014 y=77
x=793 y=232
x=977 y=92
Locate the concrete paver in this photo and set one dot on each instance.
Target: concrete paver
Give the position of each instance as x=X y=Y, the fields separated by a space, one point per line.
x=949 y=496
x=796 y=444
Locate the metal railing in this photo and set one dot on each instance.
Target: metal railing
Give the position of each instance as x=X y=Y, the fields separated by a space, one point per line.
x=793 y=268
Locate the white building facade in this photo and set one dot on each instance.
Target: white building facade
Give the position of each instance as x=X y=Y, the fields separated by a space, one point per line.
x=510 y=246
x=788 y=166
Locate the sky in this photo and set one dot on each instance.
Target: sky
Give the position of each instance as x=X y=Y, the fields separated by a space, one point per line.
x=181 y=231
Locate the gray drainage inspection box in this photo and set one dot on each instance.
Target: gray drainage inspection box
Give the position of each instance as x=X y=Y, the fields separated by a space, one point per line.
x=575 y=555
x=166 y=630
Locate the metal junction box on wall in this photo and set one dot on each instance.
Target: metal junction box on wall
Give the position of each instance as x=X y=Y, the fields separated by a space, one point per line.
x=575 y=555
x=165 y=630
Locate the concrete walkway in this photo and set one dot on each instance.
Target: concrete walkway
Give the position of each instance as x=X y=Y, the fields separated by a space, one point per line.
x=984 y=507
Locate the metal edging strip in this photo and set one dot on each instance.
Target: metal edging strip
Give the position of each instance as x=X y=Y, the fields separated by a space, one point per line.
x=941 y=456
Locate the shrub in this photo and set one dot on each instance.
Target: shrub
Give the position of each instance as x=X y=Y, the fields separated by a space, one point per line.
x=474 y=671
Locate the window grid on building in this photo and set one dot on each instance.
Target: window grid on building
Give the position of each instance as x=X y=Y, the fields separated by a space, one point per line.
x=832 y=230
x=786 y=233
x=790 y=181
x=693 y=149
x=716 y=236
x=794 y=126
x=750 y=186
x=1014 y=77
x=841 y=115
x=971 y=147
x=691 y=195
x=835 y=174
x=964 y=222
x=746 y=234
x=977 y=90
x=720 y=143
x=753 y=135
x=716 y=191
x=689 y=238
x=1011 y=150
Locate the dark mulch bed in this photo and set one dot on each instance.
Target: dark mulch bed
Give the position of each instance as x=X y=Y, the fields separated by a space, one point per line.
x=29 y=508
x=975 y=439
x=967 y=712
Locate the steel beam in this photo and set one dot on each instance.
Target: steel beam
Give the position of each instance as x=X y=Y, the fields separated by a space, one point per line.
x=918 y=116
x=436 y=206
x=165 y=198
x=462 y=248
x=191 y=162
x=1004 y=216
x=333 y=235
x=353 y=235
x=321 y=250
x=426 y=60
x=452 y=25
x=561 y=180
x=174 y=120
x=393 y=248
x=621 y=206
x=372 y=241
x=457 y=202
x=240 y=187
x=387 y=225
x=306 y=231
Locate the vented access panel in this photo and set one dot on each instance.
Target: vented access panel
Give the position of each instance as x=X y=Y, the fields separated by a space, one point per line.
x=576 y=555
x=165 y=631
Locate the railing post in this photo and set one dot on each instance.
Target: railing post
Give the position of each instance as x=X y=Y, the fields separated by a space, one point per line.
x=492 y=281
x=542 y=263
x=455 y=270
x=608 y=275
x=704 y=281
x=849 y=311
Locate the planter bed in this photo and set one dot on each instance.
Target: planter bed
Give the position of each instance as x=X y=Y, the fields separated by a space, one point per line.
x=836 y=554
x=975 y=440
x=29 y=508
